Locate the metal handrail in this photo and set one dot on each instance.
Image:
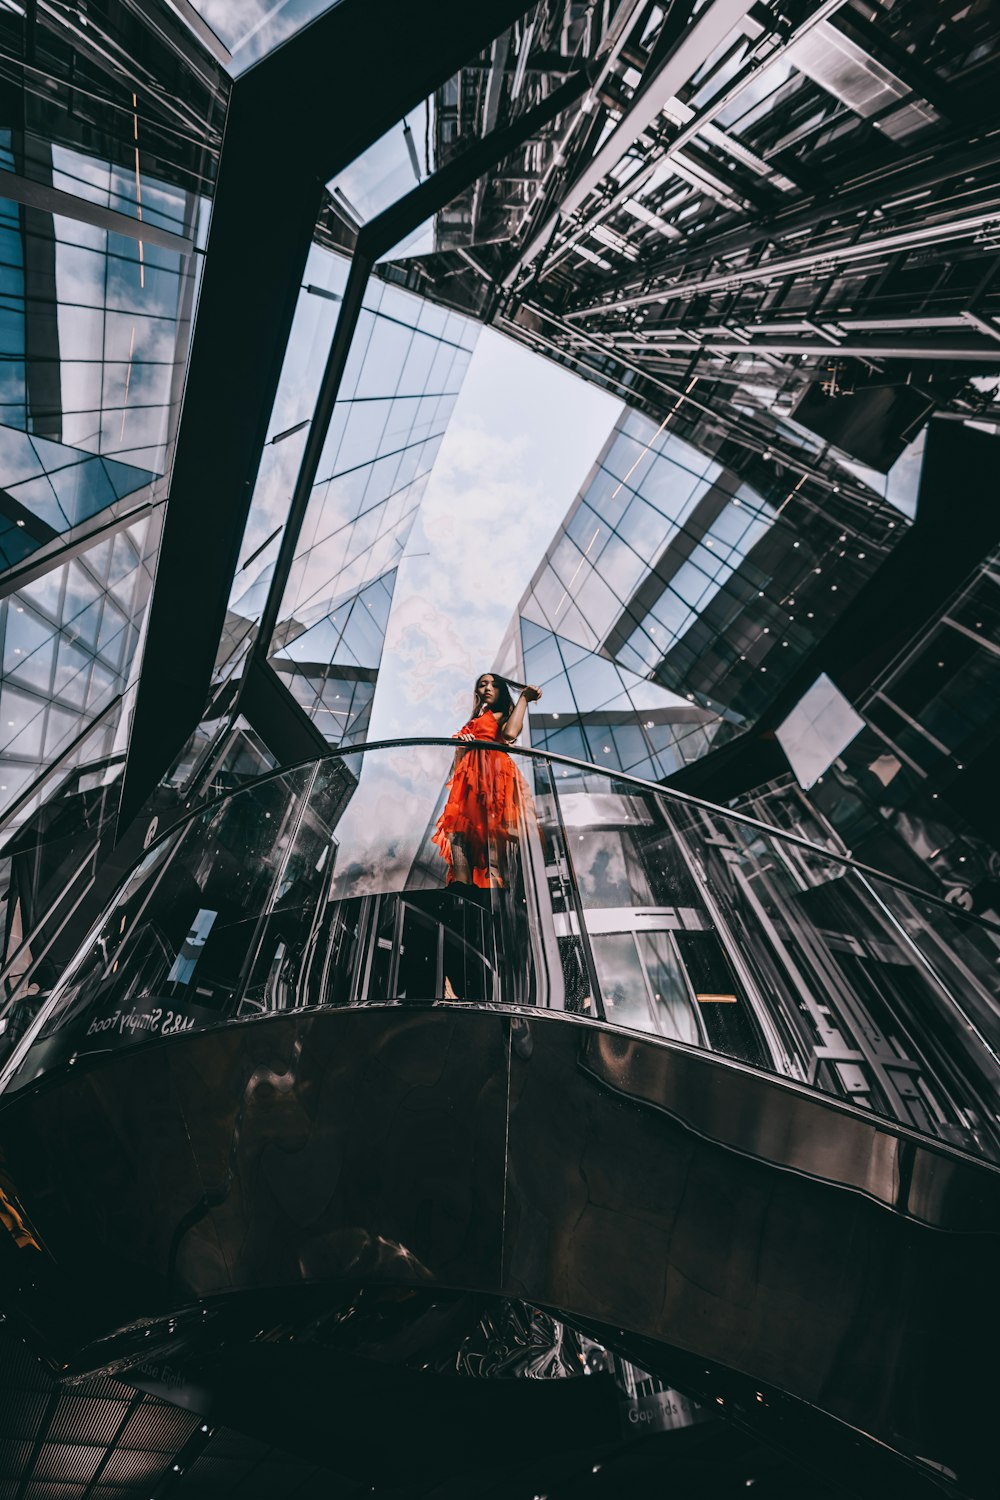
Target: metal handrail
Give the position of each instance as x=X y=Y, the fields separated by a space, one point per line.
x=687 y=799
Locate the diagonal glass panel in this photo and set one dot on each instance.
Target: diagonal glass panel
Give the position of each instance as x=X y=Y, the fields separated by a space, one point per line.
x=49 y=488
x=249 y=30
x=379 y=449
x=69 y=641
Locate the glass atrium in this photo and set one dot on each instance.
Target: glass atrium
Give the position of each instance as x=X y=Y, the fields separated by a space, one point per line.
x=603 y=1100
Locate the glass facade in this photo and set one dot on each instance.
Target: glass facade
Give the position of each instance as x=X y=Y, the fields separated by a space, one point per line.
x=911 y=789
x=242 y=32
x=106 y=185
x=403 y=374
x=69 y=645
x=683 y=576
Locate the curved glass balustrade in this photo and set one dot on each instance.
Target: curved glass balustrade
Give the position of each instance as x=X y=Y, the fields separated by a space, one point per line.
x=614 y=900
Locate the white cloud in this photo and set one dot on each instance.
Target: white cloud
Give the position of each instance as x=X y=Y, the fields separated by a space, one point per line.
x=522 y=440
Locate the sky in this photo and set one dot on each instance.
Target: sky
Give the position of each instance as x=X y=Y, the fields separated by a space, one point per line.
x=521 y=441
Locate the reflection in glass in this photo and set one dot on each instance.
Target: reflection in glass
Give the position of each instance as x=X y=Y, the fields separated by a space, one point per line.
x=321 y=887
x=675 y=1013
x=622 y=980
x=404 y=370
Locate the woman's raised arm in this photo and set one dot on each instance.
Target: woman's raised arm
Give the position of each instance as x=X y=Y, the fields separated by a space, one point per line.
x=514 y=722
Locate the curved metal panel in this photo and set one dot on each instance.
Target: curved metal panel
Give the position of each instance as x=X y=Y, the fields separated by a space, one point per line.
x=697 y=1206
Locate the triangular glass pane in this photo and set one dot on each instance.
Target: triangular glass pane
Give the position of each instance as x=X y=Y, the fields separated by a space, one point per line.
x=125 y=479
x=23 y=634
x=35 y=669
x=72 y=671
x=113 y=623
x=61 y=727
x=317 y=644
x=18 y=459
x=84 y=626
x=83 y=490
x=532 y=634
x=362 y=641
x=38 y=496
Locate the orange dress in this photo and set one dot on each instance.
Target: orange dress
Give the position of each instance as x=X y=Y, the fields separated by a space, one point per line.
x=486 y=796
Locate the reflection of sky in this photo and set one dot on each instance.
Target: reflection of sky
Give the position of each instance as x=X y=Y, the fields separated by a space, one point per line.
x=250 y=29
x=900 y=484
x=820 y=726
x=521 y=441
x=384 y=172
x=383 y=825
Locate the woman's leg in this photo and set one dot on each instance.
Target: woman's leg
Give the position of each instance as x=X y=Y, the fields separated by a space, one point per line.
x=461 y=867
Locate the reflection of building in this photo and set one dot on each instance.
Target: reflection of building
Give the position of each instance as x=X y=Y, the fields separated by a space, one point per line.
x=406 y=368
x=907 y=785
x=671 y=572
x=311 y=1144
x=679 y=570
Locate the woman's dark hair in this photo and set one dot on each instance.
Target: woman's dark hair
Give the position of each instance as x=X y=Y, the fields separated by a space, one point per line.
x=504 y=706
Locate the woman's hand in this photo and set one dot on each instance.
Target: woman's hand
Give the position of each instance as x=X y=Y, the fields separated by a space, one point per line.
x=531 y=694
x=465 y=735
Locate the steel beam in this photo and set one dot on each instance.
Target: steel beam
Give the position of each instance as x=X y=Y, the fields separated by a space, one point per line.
x=52 y=200
x=697 y=43
x=988 y=352
x=908 y=178
x=816 y=261
x=287 y=129
x=685 y=136
x=69 y=544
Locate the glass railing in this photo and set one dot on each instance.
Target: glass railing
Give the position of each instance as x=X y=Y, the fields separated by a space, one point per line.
x=51 y=839
x=597 y=895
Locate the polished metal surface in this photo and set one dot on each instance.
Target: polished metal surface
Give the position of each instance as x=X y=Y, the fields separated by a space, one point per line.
x=619 y=1180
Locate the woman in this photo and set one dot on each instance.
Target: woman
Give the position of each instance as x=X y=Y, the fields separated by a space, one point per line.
x=486 y=792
